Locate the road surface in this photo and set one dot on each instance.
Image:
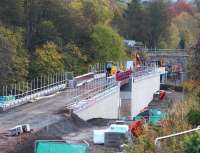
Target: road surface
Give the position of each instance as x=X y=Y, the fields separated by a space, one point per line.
x=45 y=111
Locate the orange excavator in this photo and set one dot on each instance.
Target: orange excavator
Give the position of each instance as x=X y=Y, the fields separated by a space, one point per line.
x=136 y=57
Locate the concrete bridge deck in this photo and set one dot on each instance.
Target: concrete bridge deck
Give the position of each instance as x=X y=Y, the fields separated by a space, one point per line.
x=46 y=110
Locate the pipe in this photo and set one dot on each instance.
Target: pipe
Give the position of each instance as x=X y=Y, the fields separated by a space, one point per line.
x=176 y=134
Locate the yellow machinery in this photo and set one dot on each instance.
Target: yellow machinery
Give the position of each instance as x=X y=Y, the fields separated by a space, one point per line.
x=111 y=68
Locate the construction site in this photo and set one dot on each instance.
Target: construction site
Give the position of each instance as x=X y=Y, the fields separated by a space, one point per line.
x=96 y=112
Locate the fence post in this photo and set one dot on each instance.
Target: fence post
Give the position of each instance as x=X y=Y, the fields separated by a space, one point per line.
x=37 y=85
x=6 y=91
x=23 y=88
x=19 y=90
x=3 y=90
x=15 y=89
x=31 y=87
x=41 y=82
x=56 y=78
x=27 y=88
x=47 y=82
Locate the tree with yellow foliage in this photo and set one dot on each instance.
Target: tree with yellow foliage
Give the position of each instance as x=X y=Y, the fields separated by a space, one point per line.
x=48 y=60
x=187 y=25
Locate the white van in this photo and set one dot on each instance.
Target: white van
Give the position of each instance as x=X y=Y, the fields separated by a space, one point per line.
x=19 y=129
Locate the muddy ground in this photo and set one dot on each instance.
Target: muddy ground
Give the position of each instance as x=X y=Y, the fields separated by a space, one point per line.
x=73 y=130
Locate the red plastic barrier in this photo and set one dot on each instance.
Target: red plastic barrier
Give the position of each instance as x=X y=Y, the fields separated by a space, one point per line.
x=162 y=94
x=120 y=76
x=136 y=128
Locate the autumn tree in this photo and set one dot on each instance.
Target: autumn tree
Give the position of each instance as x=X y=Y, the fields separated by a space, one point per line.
x=47 y=31
x=194 y=62
x=106 y=44
x=173 y=38
x=43 y=17
x=188 y=26
x=98 y=12
x=182 y=6
x=74 y=59
x=48 y=60
x=14 y=60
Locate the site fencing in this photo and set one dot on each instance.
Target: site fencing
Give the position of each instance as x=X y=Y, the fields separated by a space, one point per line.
x=81 y=86
x=16 y=94
x=74 y=93
x=23 y=92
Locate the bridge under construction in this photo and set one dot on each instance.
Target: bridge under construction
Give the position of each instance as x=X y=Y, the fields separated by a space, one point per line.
x=95 y=94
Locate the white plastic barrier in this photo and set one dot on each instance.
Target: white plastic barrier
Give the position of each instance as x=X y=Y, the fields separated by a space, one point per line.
x=99 y=135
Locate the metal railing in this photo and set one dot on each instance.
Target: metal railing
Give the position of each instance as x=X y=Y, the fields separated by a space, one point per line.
x=88 y=89
x=167 y=52
x=92 y=95
x=38 y=84
x=164 y=50
x=46 y=85
x=176 y=134
x=176 y=138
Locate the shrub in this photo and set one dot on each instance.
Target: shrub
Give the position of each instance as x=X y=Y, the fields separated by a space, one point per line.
x=193 y=117
x=192 y=144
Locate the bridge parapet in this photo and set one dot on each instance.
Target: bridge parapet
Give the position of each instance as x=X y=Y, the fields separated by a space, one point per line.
x=103 y=105
x=144 y=71
x=76 y=94
x=167 y=52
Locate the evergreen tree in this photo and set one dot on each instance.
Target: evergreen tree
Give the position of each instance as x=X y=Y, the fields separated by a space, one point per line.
x=137 y=20
x=158 y=23
x=182 y=41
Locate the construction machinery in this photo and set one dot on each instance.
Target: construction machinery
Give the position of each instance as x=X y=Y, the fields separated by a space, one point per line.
x=111 y=68
x=151 y=116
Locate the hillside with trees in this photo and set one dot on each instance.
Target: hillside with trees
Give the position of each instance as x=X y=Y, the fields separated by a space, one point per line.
x=41 y=37
x=38 y=37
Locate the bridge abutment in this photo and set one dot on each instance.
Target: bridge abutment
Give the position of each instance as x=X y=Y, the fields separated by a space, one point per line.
x=104 y=105
x=142 y=91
